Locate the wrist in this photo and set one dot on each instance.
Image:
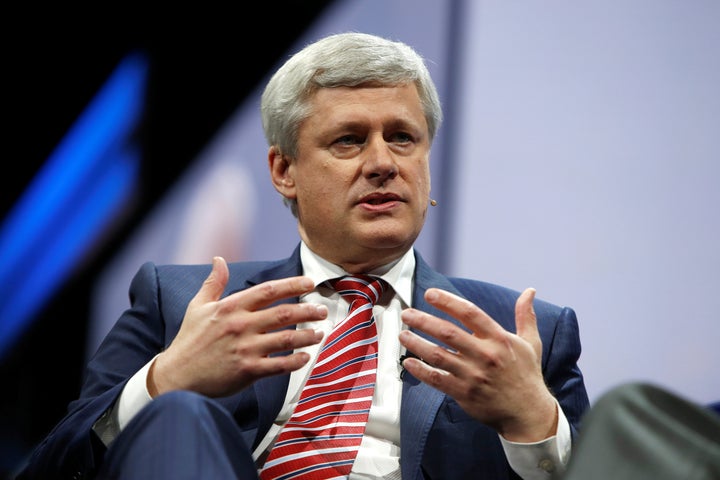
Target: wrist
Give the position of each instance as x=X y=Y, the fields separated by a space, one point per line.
x=151 y=383
x=539 y=424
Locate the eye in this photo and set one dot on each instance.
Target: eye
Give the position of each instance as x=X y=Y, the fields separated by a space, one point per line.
x=401 y=137
x=348 y=140
x=346 y=146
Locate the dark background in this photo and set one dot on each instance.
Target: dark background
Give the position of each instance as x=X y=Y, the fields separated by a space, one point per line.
x=203 y=62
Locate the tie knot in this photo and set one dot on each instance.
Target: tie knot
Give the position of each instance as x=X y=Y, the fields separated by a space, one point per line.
x=359 y=287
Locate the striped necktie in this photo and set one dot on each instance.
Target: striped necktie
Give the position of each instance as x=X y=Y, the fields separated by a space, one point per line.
x=321 y=439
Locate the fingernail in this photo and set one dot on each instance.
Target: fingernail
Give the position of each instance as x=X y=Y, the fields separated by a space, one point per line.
x=408 y=315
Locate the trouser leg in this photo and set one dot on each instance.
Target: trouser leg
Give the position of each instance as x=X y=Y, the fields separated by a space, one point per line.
x=180 y=435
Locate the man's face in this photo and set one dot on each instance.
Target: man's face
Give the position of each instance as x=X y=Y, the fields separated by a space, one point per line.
x=361 y=177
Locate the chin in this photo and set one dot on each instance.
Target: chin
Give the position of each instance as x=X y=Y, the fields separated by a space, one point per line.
x=389 y=240
x=387 y=233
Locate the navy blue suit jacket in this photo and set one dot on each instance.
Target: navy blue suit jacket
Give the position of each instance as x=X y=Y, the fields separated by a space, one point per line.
x=438 y=439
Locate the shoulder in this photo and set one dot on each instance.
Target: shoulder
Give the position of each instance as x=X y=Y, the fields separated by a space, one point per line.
x=184 y=277
x=192 y=273
x=493 y=293
x=498 y=301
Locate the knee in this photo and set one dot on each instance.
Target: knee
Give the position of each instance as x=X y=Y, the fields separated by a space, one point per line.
x=181 y=432
x=180 y=401
x=181 y=407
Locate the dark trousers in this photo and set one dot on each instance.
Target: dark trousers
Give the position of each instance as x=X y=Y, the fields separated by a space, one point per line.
x=634 y=432
x=179 y=435
x=639 y=431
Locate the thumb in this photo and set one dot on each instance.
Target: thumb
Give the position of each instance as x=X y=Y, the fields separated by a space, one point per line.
x=526 y=321
x=214 y=285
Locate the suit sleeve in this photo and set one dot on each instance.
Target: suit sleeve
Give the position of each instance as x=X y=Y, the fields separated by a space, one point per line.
x=561 y=352
x=71 y=449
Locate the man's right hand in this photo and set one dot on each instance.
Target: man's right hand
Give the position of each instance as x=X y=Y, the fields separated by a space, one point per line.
x=224 y=344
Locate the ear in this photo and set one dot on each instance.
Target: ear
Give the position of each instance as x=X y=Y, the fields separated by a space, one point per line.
x=281 y=172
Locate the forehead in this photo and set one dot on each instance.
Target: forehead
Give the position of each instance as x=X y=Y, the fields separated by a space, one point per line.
x=371 y=102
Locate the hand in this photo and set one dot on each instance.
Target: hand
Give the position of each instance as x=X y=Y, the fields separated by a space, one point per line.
x=224 y=344
x=494 y=375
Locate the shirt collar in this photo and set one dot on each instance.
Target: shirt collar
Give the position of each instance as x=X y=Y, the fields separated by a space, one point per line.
x=399 y=274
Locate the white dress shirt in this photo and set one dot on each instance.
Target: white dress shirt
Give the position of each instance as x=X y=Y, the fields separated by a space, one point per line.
x=379 y=453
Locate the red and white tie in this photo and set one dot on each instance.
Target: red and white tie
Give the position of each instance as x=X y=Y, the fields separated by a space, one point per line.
x=321 y=439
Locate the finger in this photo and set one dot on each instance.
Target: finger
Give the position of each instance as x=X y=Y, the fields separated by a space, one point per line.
x=282 y=364
x=526 y=320
x=426 y=373
x=284 y=315
x=287 y=340
x=432 y=354
x=472 y=316
x=214 y=285
x=434 y=376
x=444 y=331
x=267 y=293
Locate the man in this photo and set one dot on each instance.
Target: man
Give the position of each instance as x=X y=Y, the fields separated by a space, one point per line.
x=199 y=375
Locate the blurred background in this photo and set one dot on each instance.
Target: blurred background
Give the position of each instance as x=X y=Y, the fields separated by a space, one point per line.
x=579 y=155
x=186 y=71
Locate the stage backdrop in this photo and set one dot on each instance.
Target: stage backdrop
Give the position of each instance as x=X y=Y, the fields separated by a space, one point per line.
x=579 y=156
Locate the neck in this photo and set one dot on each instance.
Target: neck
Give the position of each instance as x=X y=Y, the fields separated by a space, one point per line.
x=371 y=261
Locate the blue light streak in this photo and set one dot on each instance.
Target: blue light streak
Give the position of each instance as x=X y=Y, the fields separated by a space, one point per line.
x=73 y=199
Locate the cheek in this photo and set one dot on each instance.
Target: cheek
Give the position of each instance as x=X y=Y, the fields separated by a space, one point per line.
x=321 y=190
x=422 y=179
x=424 y=184
x=330 y=177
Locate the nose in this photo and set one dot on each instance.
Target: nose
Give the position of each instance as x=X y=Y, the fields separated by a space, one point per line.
x=379 y=162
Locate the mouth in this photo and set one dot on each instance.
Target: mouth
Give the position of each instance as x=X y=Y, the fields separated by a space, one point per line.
x=380 y=199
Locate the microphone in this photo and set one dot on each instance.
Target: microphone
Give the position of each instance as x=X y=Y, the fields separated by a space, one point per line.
x=408 y=354
x=433 y=202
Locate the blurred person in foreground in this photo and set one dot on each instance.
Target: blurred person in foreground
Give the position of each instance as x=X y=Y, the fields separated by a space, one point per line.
x=198 y=376
x=643 y=431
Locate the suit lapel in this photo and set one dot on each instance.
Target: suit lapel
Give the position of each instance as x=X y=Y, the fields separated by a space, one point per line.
x=420 y=402
x=269 y=391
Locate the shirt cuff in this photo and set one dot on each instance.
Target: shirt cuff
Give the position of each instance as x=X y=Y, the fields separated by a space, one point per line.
x=543 y=459
x=134 y=396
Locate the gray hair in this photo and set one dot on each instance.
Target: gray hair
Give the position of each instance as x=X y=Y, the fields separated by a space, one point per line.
x=340 y=60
